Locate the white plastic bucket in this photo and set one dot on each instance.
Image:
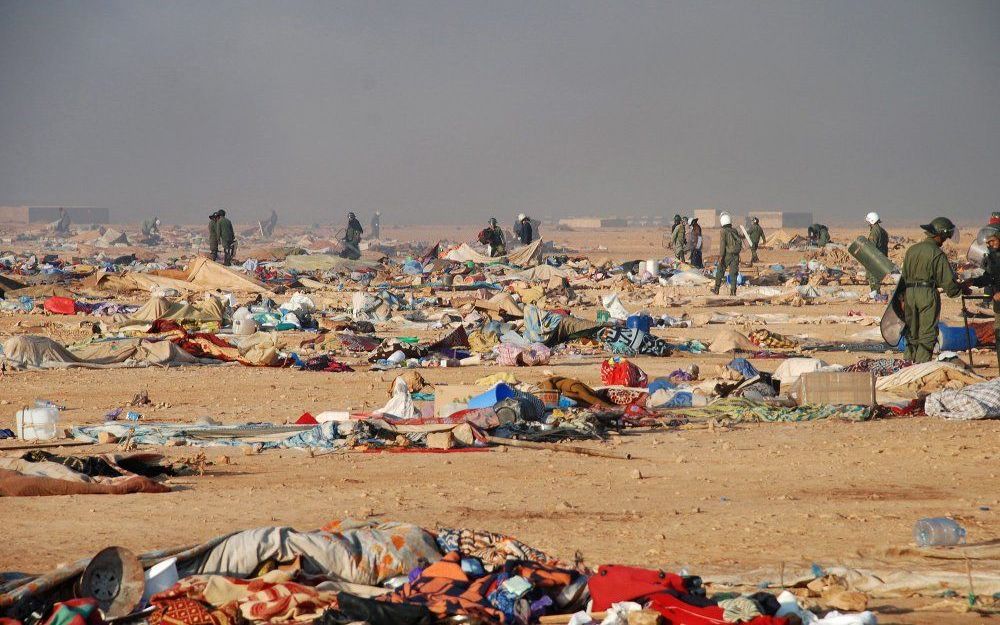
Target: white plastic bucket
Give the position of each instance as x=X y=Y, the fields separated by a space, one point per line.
x=653 y=266
x=37 y=424
x=161 y=576
x=244 y=326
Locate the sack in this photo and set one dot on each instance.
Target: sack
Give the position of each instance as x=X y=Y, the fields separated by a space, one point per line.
x=621 y=372
x=60 y=306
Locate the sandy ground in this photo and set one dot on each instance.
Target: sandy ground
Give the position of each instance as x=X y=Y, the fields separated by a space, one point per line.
x=713 y=500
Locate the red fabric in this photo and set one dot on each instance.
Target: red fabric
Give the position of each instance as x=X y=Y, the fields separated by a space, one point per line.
x=676 y=612
x=985 y=332
x=614 y=583
x=307 y=419
x=621 y=372
x=60 y=306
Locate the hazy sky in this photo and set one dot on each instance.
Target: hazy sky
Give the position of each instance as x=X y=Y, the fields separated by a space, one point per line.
x=458 y=110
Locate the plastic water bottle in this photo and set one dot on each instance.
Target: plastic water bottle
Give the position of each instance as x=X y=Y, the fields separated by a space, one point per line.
x=938 y=532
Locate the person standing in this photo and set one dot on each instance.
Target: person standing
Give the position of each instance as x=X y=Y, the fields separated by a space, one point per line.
x=880 y=239
x=696 y=244
x=352 y=238
x=492 y=236
x=213 y=235
x=730 y=246
x=268 y=225
x=64 y=222
x=678 y=238
x=925 y=270
x=990 y=281
x=151 y=228
x=757 y=237
x=525 y=231
x=227 y=237
x=376 y=225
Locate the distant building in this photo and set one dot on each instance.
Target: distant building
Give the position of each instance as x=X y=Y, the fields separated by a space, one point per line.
x=782 y=219
x=46 y=214
x=593 y=223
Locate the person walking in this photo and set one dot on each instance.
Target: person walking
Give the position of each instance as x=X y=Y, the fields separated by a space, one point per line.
x=525 y=231
x=925 y=270
x=678 y=238
x=880 y=239
x=730 y=246
x=352 y=238
x=757 y=237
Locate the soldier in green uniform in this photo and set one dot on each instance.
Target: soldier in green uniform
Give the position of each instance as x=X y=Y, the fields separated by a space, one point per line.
x=227 y=236
x=925 y=270
x=757 y=237
x=213 y=235
x=678 y=238
x=730 y=246
x=819 y=235
x=990 y=281
x=880 y=239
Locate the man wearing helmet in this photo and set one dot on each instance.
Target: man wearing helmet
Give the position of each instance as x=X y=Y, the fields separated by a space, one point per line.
x=925 y=270
x=757 y=237
x=990 y=281
x=880 y=239
x=678 y=238
x=730 y=246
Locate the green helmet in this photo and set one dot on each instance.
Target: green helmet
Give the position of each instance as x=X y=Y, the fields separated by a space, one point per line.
x=940 y=225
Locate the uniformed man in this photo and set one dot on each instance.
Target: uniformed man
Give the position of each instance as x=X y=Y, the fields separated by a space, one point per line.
x=757 y=237
x=819 y=235
x=880 y=239
x=696 y=244
x=730 y=246
x=213 y=235
x=925 y=270
x=492 y=236
x=678 y=238
x=352 y=238
x=990 y=281
x=227 y=237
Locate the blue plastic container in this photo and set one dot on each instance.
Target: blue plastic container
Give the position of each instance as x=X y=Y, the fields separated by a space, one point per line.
x=639 y=322
x=491 y=397
x=955 y=338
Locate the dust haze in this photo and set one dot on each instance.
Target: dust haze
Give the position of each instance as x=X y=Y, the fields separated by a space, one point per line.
x=454 y=111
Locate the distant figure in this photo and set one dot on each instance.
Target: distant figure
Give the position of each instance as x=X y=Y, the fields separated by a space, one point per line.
x=492 y=236
x=267 y=226
x=213 y=235
x=151 y=228
x=62 y=226
x=880 y=239
x=756 y=235
x=376 y=226
x=730 y=246
x=819 y=235
x=227 y=237
x=678 y=238
x=696 y=243
x=352 y=238
x=524 y=230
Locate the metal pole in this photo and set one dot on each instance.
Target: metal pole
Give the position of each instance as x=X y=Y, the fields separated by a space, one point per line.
x=968 y=340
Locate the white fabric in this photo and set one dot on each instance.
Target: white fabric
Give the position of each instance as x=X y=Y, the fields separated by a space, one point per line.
x=400 y=404
x=614 y=307
x=790 y=370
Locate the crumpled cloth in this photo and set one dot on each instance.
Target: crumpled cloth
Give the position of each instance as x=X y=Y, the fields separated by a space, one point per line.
x=763 y=337
x=977 y=401
x=739 y=609
x=492 y=549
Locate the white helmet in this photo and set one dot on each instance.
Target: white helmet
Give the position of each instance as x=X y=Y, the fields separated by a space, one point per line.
x=872 y=218
x=520 y=217
x=725 y=219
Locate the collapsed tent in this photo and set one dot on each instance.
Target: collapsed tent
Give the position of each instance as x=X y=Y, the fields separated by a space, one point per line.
x=526 y=256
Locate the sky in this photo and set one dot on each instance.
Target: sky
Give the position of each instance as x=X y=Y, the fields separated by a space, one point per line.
x=453 y=111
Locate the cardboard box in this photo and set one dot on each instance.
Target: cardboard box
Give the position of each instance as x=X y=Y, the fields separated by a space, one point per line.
x=445 y=394
x=835 y=387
